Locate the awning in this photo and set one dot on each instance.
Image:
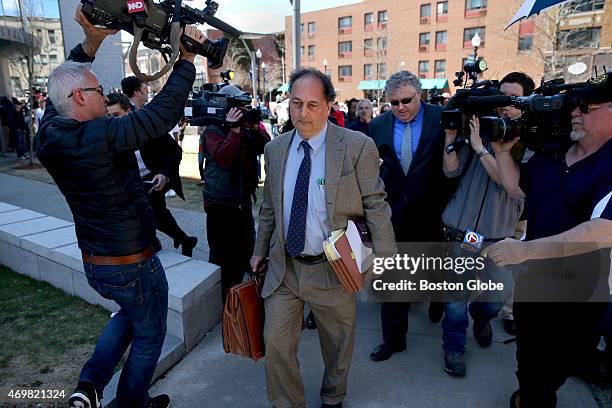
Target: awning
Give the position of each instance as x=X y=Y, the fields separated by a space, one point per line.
x=283 y=88
x=372 y=84
x=426 y=83
x=431 y=83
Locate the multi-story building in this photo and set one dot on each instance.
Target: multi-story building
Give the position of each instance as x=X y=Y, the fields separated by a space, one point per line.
x=41 y=39
x=358 y=45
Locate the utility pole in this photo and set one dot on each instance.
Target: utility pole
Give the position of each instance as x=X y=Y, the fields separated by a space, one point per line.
x=296 y=34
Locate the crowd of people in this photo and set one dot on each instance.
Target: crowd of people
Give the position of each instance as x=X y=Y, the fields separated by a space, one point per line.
x=113 y=158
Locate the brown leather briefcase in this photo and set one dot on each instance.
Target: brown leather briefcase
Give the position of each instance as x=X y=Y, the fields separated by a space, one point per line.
x=243 y=320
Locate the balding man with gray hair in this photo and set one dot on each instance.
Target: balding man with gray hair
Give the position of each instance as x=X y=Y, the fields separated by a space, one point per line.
x=410 y=142
x=91 y=158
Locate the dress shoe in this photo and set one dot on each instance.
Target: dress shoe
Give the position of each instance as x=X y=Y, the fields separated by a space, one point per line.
x=385 y=351
x=483 y=333
x=161 y=401
x=454 y=364
x=338 y=405
x=435 y=311
x=187 y=245
x=509 y=326
x=310 y=322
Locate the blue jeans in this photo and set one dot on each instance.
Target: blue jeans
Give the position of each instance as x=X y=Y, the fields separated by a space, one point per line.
x=141 y=290
x=456 y=321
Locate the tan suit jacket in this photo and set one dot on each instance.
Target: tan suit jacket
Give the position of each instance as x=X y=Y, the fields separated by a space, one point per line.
x=353 y=188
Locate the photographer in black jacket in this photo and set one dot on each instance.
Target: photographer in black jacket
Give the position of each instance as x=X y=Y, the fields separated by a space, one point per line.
x=231 y=179
x=91 y=159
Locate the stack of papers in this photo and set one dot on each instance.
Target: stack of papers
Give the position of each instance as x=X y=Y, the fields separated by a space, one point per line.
x=350 y=253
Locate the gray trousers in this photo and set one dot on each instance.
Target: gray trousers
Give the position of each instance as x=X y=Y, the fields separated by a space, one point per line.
x=334 y=311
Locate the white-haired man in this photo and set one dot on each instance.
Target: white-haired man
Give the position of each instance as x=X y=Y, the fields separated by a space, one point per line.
x=91 y=158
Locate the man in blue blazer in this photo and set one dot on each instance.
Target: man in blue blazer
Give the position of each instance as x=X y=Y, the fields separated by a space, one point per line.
x=410 y=141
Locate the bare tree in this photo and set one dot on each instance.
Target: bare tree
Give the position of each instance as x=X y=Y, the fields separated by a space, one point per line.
x=237 y=59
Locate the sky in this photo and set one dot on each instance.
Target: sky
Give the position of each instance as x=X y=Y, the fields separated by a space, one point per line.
x=48 y=8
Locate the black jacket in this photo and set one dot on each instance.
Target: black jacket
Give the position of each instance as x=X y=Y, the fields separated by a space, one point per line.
x=163 y=155
x=93 y=164
x=417 y=199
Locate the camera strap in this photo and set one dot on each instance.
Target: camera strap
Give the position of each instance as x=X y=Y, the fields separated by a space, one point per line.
x=175 y=38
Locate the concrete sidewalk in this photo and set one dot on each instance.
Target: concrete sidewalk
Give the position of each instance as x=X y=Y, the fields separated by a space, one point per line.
x=207 y=377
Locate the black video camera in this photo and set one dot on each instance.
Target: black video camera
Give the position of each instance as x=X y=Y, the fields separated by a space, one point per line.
x=545 y=123
x=210 y=107
x=151 y=23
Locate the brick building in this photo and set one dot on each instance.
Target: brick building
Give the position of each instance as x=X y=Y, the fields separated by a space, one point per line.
x=362 y=43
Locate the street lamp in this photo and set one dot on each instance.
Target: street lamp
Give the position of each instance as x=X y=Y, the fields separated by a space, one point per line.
x=263 y=68
x=258 y=58
x=325 y=66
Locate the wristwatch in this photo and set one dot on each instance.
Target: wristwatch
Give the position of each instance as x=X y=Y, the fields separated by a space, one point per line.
x=483 y=152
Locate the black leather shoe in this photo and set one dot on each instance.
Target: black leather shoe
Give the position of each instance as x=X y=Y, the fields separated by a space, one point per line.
x=161 y=401
x=187 y=246
x=483 y=333
x=385 y=351
x=339 y=405
x=310 y=322
x=435 y=311
x=509 y=326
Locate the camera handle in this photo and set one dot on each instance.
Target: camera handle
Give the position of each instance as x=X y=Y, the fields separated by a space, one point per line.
x=175 y=37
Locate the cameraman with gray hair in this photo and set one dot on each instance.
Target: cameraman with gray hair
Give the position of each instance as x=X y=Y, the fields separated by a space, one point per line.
x=91 y=158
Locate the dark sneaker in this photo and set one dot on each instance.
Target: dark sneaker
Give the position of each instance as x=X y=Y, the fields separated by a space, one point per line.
x=454 y=364
x=187 y=246
x=338 y=405
x=515 y=400
x=435 y=311
x=310 y=322
x=483 y=334
x=85 y=396
x=161 y=401
x=385 y=351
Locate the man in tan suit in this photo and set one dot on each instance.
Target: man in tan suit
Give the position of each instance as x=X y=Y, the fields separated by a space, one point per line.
x=317 y=178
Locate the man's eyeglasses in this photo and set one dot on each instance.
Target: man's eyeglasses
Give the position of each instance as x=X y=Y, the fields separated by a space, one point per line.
x=586 y=108
x=99 y=89
x=404 y=101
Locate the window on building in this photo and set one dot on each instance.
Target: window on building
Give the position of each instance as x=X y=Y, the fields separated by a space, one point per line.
x=311 y=50
x=312 y=27
x=440 y=68
x=424 y=39
x=442 y=8
x=441 y=40
x=526 y=30
x=383 y=16
x=44 y=59
x=368 y=18
x=381 y=43
x=345 y=71
x=37 y=59
x=345 y=46
x=423 y=68
x=382 y=70
x=302 y=28
x=368 y=71
x=425 y=10
x=469 y=33
x=580 y=6
x=52 y=59
x=52 y=38
x=368 y=47
x=345 y=22
x=475 y=4
x=579 y=38
x=10 y=8
x=302 y=50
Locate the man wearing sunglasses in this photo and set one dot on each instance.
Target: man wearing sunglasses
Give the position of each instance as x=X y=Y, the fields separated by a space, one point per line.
x=409 y=139
x=91 y=158
x=569 y=214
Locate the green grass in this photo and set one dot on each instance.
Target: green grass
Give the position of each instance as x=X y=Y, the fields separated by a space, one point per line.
x=46 y=335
